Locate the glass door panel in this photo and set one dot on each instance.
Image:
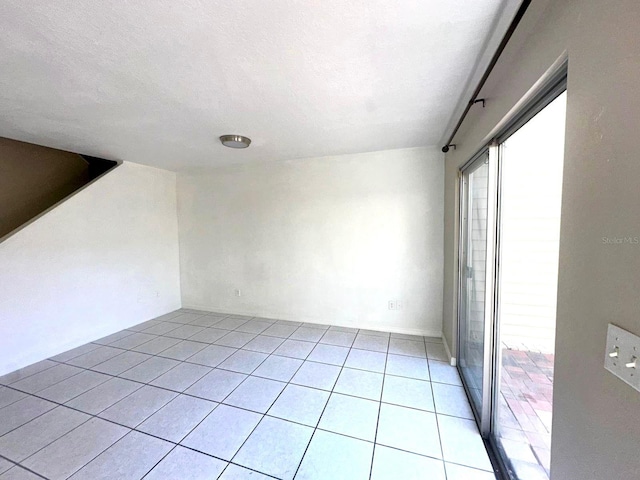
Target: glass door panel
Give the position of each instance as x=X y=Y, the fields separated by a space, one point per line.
x=473 y=262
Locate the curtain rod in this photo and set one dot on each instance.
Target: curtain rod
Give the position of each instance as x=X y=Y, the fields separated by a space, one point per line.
x=474 y=98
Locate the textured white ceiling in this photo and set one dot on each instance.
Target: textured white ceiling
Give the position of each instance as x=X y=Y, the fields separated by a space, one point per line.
x=158 y=81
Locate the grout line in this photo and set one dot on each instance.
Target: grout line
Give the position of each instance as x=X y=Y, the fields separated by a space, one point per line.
x=435 y=414
x=375 y=438
x=331 y=392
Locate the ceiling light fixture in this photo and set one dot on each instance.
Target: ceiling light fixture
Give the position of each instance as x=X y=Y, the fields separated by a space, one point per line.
x=235 y=141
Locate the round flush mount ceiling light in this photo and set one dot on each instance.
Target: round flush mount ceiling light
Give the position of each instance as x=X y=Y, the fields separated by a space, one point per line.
x=235 y=141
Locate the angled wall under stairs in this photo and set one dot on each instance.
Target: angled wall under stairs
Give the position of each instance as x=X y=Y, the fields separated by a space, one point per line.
x=34 y=178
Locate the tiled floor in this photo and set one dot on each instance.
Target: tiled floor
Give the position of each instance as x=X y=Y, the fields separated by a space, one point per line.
x=192 y=395
x=526 y=410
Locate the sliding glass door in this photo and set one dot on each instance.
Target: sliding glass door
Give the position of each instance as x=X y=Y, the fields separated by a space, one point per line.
x=509 y=231
x=475 y=218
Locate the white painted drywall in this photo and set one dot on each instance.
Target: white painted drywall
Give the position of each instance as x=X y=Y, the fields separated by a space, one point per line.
x=327 y=240
x=103 y=260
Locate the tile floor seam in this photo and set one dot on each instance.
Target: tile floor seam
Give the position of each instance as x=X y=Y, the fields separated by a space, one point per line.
x=325 y=405
x=375 y=437
x=269 y=408
x=435 y=413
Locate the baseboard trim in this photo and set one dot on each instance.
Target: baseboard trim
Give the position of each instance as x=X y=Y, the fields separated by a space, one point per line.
x=452 y=360
x=363 y=325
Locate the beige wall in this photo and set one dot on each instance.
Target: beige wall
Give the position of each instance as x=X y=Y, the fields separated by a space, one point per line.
x=33 y=178
x=596 y=422
x=327 y=240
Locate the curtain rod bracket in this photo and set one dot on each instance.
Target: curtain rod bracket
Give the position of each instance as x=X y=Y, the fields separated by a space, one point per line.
x=445 y=149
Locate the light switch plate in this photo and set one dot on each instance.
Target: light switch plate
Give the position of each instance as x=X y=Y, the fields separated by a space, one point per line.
x=627 y=347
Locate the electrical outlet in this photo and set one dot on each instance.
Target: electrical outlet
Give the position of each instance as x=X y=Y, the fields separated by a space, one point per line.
x=622 y=355
x=393 y=305
x=238 y=292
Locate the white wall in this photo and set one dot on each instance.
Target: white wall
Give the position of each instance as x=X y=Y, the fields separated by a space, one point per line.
x=327 y=240
x=103 y=260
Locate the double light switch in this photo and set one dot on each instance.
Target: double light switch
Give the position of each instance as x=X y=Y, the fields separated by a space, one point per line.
x=621 y=359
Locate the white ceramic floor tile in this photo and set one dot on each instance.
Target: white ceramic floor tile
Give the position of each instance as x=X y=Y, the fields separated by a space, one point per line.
x=458 y=472
x=335 y=457
x=256 y=394
x=392 y=464
x=366 y=360
x=404 y=366
x=183 y=350
x=235 y=422
x=295 y=349
x=121 y=363
x=236 y=472
x=451 y=400
x=212 y=355
x=235 y=339
x=300 y=404
x=339 y=338
x=86 y=442
x=412 y=348
x=39 y=432
x=137 y=407
x=130 y=458
x=442 y=372
x=408 y=392
x=104 y=395
x=330 y=354
x=275 y=447
x=46 y=378
x=75 y=352
x=185 y=318
x=19 y=473
x=355 y=417
x=462 y=443
x=5 y=465
x=371 y=342
x=21 y=412
x=157 y=345
x=183 y=332
x=94 y=357
x=243 y=361
x=264 y=344
x=436 y=351
x=317 y=375
x=176 y=419
x=280 y=330
x=150 y=369
x=27 y=371
x=360 y=383
x=375 y=333
x=113 y=337
x=73 y=386
x=278 y=368
x=209 y=335
x=206 y=321
x=160 y=328
x=408 y=429
x=9 y=396
x=254 y=326
x=307 y=334
x=231 y=323
x=216 y=385
x=133 y=341
x=181 y=377
x=185 y=464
